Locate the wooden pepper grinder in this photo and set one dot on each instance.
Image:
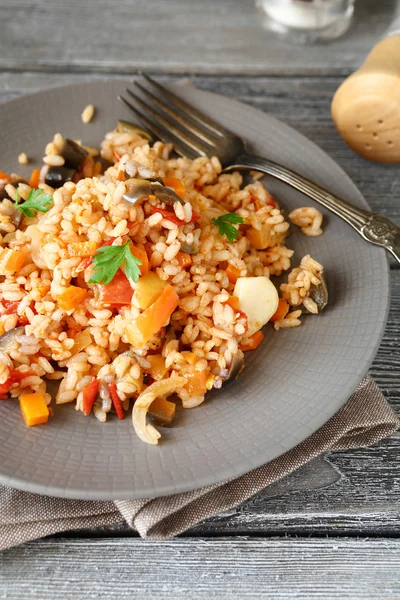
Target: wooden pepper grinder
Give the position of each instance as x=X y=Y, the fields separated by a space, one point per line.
x=366 y=107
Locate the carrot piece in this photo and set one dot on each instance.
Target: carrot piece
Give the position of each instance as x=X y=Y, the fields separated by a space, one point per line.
x=5 y=177
x=71 y=297
x=184 y=260
x=12 y=260
x=34 y=178
x=82 y=249
x=121 y=176
x=197 y=383
x=141 y=254
x=43 y=289
x=177 y=185
x=281 y=311
x=163 y=410
x=157 y=367
x=90 y=392
x=191 y=357
x=116 y=400
x=153 y=318
x=254 y=341
x=34 y=409
x=233 y=302
x=233 y=273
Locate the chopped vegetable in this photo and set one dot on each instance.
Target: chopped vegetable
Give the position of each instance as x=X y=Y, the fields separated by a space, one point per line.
x=8 y=340
x=252 y=343
x=116 y=400
x=37 y=200
x=147 y=432
x=127 y=127
x=157 y=367
x=15 y=377
x=281 y=311
x=226 y=227
x=235 y=368
x=90 y=392
x=139 y=189
x=141 y=255
x=34 y=179
x=153 y=318
x=265 y=237
x=5 y=177
x=34 y=409
x=118 y=292
x=12 y=260
x=197 y=383
x=82 y=340
x=233 y=302
x=163 y=410
x=57 y=176
x=82 y=249
x=191 y=357
x=233 y=273
x=73 y=154
x=171 y=216
x=71 y=297
x=177 y=185
x=108 y=259
x=148 y=289
x=258 y=298
x=189 y=248
x=184 y=260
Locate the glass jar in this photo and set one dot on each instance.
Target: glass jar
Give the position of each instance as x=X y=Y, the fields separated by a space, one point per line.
x=307 y=21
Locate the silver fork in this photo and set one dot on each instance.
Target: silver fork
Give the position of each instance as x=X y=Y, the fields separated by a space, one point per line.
x=194 y=134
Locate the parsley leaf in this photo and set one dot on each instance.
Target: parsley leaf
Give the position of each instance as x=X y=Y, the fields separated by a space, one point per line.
x=107 y=261
x=224 y=225
x=37 y=200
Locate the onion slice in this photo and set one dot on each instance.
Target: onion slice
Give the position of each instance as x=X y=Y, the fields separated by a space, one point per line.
x=147 y=432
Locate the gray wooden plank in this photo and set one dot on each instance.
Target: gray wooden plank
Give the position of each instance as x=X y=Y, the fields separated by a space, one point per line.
x=178 y=35
x=302 y=102
x=203 y=568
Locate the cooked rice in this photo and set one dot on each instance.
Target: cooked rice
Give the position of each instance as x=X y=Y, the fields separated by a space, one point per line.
x=23 y=159
x=309 y=219
x=202 y=327
x=87 y=113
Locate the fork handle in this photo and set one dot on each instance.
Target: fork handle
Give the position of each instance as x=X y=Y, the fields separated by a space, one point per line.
x=373 y=227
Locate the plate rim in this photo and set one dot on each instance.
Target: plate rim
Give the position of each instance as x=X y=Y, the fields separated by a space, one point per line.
x=223 y=475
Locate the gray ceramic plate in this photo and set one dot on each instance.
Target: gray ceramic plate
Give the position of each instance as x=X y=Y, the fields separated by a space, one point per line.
x=292 y=384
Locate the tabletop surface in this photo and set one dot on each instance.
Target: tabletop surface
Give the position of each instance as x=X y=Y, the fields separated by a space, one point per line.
x=331 y=530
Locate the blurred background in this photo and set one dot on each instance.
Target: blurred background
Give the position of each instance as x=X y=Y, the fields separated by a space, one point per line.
x=172 y=35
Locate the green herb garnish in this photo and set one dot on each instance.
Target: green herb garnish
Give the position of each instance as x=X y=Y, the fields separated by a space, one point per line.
x=107 y=261
x=224 y=224
x=37 y=200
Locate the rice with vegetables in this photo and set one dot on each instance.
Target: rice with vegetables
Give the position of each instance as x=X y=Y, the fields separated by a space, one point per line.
x=148 y=279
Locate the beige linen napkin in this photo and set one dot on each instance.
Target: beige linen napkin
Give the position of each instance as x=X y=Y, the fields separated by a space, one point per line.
x=365 y=419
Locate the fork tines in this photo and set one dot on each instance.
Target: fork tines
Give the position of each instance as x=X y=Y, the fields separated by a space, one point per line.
x=173 y=120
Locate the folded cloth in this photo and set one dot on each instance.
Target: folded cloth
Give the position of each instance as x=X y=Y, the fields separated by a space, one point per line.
x=364 y=420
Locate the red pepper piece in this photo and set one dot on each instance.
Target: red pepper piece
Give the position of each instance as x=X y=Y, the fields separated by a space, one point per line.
x=89 y=395
x=15 y=376
x=116 y=400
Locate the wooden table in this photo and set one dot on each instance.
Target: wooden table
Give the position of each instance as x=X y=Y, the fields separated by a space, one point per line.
x=332 y=529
